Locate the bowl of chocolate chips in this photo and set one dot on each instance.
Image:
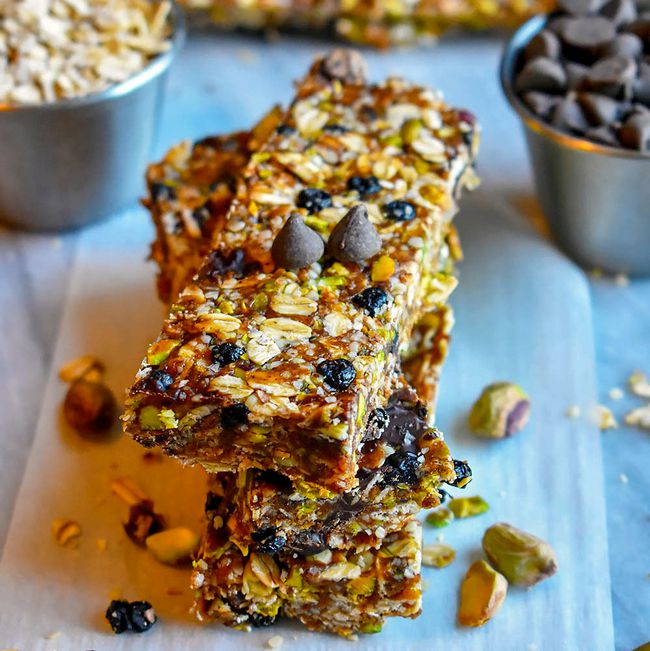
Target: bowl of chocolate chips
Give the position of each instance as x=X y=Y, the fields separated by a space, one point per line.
x=579 y=79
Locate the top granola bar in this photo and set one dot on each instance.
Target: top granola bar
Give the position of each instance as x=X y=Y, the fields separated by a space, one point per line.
x=259 y=366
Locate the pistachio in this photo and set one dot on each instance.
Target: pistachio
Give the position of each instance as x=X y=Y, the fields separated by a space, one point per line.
x=502 y=410
x=437 y=555
x=466 y=507
x=173 y=546
x=481 y=594
x=66 y=533
x=296 y=245
x=346 y=66
x=143 y=522
x=90 y=408
x=440 y=518
x=382 y=269
x=521 y=557
x=354 y=238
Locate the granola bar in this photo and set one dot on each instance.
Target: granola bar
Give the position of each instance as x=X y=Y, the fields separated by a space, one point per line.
x=259 y=366
x=373 y=22
x=339 y=591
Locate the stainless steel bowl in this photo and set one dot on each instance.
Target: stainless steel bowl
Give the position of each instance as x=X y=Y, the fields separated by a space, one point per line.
x=595 y=198
x=68 y=163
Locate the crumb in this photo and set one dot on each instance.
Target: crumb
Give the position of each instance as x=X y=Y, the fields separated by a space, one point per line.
x=621 y=280
x=604 y=418
x=424 y=584
x=174 y=592
x=616 y=393
x=353 y=638
x=101 y=544
x=639 y=417
x=53 y=635
x=246 y=56
x=440 y=537
x=573 y=411
x=152 y=457
x=639 y=385
x=275 y=642
x=623 y=478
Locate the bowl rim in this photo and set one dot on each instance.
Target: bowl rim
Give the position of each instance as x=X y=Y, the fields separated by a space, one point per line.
x=511 y=52
x=155 y=67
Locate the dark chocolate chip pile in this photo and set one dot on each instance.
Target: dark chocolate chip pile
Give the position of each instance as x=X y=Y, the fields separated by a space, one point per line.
x=588 y=72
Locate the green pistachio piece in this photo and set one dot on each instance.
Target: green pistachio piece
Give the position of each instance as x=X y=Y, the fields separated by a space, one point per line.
x=501 y=410
x=372 y=628
x=159 y=351
x=522 y=558
x=440 y=518
x=149 y=418
x=466 y=507
x=168 y=418
x=411 y=130
x=437 y=555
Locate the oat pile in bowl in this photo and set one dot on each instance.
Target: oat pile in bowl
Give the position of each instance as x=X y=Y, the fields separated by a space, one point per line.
x=59 y=49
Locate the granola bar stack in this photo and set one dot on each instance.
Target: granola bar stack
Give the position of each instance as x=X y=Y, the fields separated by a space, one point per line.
x=372 y=22
x=312 y=253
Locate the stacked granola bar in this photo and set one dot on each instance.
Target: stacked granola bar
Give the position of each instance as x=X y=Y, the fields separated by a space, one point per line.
x=372 y=22
x=279 y=366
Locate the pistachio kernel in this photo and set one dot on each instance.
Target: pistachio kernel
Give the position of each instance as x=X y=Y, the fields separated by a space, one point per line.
x=481 y=594
x=66 y=533
x=501 y=410
x=522 y=558
x=296 y=245
x=354 y=238
x=173 y=546
x=467 y=507
x=440 y=517
x=90 y=408
x=438 y=555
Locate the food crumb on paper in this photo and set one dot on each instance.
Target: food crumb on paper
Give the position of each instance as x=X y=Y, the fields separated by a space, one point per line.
x=623 y=478
x=573 y=411
x=615 y=393
x=275 y=642
x=604 y=418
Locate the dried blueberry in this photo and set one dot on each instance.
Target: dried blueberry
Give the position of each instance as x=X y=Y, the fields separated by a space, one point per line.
x=160 y=380
x=162 y=191
x=313 y=200
x=234 y=415
x=401 y=468
x=338 y=373
x=307 y=543
x=400 y=211
x=463 y=474
x=372 y=300
x=336 y=128
x=444 y=495
x=212 y=502
x=226 y=353
x=285 y=130
x=259 y=621
x=201 y=216
x=364 y=185
x=219 y=264
x=136 y=616
x=377 y=423
x=264 y=533
x=272 y=545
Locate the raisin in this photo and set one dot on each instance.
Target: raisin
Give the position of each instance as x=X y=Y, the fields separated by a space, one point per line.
x=234 y=415
x=219 y=264
x=162 y=191
x=313 y=200
x=377 y=423
x=212 y=502
x=259 y=621
x=285 y=130
x=143 y=522
x=307 y=543
x=263 y=534
x=338 y=373
x=463 y=474
x=401 y=468
x=226 y=353
x=160 y=380
x=400 y=211
x=372 y=300
x=364 y=185
x=136 y=616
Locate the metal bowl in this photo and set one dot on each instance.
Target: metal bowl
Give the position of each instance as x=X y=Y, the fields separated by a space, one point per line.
x=596 y=198
x=68 y=163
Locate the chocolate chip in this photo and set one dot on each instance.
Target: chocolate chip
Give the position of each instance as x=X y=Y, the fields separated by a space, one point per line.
x=640 y=27
x=296 y=245
x=620 y=12
x=635 y=133
x=226 y=353
x=400 y=211
x=627 y=45
x=234 y=415
x=354 y=238
x=603 y=135
x=586 y=37
x=580 y=7
x=338 y=373
x=314 y=200
x=557 y=23
x=540 y=103
x=542 y=74
x=612 y=76
x=641 y=91
x=544 y=44
x=372 y=299
x=568 y=115
x=347 y=66
x=599 y=109
x=575 y=74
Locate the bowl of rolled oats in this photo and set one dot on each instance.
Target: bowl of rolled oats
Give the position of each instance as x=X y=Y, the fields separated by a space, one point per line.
x=81 y=89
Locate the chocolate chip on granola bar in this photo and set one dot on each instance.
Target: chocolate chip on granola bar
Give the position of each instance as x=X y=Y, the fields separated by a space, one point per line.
x=372 y=299
x=135 y=616
x=366 y=186
x=339 y=374
x=400 y=211
x=296 y=245
x=226 y=353
x=234 y=415
x=354 y=238
x=313 y=200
